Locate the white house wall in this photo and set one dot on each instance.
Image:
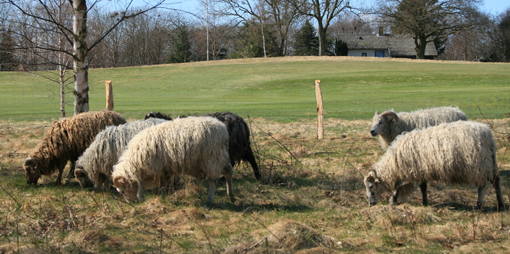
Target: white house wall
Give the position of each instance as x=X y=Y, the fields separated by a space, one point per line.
x=370 y=52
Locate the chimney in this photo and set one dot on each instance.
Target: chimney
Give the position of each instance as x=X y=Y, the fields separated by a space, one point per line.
x=380 y=31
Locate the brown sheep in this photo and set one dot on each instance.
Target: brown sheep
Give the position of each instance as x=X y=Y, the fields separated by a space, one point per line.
x=66 y=140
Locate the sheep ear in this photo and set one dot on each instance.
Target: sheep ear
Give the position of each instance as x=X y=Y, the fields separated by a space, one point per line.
x=376 y=113
x=118 y=181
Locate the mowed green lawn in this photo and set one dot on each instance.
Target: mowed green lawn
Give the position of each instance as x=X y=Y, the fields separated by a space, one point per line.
x=280 y=89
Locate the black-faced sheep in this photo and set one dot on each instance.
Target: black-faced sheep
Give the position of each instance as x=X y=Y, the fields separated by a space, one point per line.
x=453 y=153
x=239 y=141
x=196 y=146
x=66 y=140
x=389 y=125
x=95 y=166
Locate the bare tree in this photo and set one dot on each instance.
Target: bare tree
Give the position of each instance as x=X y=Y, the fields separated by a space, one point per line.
x=283 y=16
x=323 y=11
x=244 y=10
x=75 y=36
x=428 y=20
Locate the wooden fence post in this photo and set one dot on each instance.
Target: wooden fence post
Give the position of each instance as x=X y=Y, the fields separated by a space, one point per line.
x=320 y=110
x=109 y=95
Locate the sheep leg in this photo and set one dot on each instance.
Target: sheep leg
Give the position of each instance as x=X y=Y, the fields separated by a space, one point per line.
x=423 y=188
x=497 y=188
x=394 y=198
x=481 y=196
x=139 y=194
x=228 y=172
x=70 y=174
x=166 y=182
x=248 y=156
x=212 y=189
x=61 y=167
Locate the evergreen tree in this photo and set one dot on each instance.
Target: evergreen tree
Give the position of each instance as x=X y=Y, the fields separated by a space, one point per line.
x=341 y=48
x=251 y=42
x=306 y=41
x=182 y=46
x=7 y=60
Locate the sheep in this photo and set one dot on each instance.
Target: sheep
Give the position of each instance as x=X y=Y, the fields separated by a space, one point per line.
x=96 y=163
x=389 y=125
x=66 y=140
x=239 y=141
x=158 y=115
x=453 y=153
x=196 y=146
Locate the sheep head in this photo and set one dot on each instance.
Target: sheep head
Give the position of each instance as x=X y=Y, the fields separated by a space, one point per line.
x=380 y=123
x=82 y=176
x=132 y=192
x=372 y=185
x=32 y=170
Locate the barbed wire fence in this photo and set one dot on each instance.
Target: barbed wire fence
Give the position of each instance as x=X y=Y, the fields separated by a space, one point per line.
x=284 y=104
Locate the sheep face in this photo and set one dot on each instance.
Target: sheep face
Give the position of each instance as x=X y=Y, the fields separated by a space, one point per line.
x=83 y=177
x=130 y=191
x=380 y=123
x=32 y=170
x=372 y=184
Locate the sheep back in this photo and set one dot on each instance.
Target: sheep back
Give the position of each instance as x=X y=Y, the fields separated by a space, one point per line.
x=419 y=119
x=68 y=138
x=96 y=163
x=453 y=153
x=196 y=146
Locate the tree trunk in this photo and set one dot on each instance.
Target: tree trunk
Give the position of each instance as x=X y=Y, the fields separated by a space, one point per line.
x=80 y=51
x=61 y=69
x=421 y=45
x=322 y=39
x=263 y=37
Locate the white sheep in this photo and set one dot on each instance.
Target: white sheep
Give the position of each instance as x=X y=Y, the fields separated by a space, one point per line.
x=95 y=165
x=453 y=153
x=389 y=125
x=196 y=146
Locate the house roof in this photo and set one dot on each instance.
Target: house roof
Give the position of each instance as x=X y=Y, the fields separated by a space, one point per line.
x=398 y=45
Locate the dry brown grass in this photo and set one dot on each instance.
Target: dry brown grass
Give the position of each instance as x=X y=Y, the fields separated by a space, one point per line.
x=311 y=200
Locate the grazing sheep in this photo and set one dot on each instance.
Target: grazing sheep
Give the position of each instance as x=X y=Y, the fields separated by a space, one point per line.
x=453 y=153
x=239 y=138
x=96 y=164
x=66 y=140
x=196 y=146
x=389 y=125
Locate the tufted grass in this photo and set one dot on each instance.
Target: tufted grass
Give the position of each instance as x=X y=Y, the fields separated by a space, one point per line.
x=311 y=201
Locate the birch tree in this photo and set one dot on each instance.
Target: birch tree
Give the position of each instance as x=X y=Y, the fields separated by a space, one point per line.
x=76 y=35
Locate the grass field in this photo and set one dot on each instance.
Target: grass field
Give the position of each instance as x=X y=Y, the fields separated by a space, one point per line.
x=311 y=198
x=280 y=89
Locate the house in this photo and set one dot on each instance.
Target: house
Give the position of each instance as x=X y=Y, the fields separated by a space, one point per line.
x=384 y=45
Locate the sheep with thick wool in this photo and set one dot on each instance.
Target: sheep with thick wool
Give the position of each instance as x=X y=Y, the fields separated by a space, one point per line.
x=95 y=166
x=66 y=140
x=195 y=146
x=389 y=125
x=453 y=153
x=239 y=137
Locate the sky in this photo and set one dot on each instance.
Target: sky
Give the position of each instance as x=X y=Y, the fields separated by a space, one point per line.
x=494 y=7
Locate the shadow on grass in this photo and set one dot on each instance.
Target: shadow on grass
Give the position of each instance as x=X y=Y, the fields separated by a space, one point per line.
x=469 y=208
